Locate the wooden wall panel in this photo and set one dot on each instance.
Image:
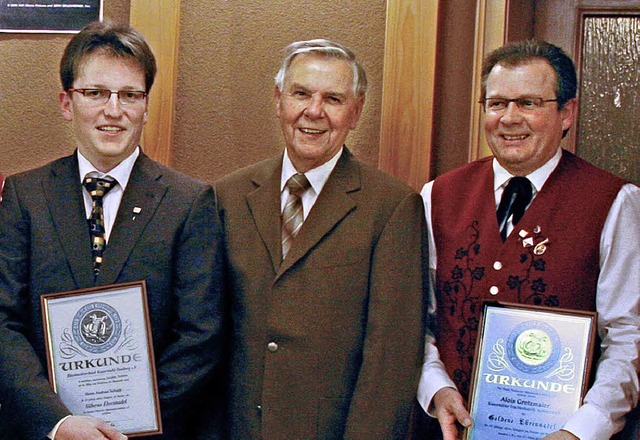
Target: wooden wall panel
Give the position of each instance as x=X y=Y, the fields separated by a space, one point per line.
x=408 y=90
x=159 y=22
x=490 y=34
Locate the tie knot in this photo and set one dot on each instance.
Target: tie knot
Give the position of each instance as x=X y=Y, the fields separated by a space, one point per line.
x=515 y=199
x=98 y=186
x=521 y=186
x=297 y=184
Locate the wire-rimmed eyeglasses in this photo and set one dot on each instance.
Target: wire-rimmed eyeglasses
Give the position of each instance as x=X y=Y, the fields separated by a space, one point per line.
x=102 y=96
x=525 y=103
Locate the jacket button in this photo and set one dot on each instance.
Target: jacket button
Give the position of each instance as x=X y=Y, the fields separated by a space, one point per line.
x=494 y=290
x=497 y=265
x=272 y=346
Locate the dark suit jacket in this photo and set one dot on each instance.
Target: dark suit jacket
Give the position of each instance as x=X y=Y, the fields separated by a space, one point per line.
x=172 y=243
x=327 y=344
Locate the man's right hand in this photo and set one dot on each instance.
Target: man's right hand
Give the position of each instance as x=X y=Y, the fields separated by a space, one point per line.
x=87 y=428
x=450 y=408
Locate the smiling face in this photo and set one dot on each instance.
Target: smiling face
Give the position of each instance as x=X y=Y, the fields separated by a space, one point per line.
x=317 y=109
x=523 y=141
x=106 y=134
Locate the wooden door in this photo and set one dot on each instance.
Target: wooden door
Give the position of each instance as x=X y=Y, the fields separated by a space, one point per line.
x=604 y=40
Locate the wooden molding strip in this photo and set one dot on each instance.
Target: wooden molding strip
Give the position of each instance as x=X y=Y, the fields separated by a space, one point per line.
x=408 y=90
x=159 y=22
x=490 y=34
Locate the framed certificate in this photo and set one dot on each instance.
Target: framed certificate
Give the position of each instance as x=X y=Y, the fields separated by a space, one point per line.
x=100 y=355
x=531 y=370
x=48 y=16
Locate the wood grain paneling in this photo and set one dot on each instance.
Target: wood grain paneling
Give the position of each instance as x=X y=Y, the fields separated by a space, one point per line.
x=408 y=90
x=490 y=34
x=159 y=22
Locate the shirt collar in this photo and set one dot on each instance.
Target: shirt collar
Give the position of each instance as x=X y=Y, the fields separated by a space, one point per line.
x=317 y=176
x=538 y=178
x=121 y=172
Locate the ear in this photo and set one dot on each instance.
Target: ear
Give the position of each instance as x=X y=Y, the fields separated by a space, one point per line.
x=277 y=97
x=357 y=113
x=66 y=105
x=569 y=113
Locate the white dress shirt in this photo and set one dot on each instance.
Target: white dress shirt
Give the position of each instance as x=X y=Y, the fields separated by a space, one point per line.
x=615 y=391
x=111 y=200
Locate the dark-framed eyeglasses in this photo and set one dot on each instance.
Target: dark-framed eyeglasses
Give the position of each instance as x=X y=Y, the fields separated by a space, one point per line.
x=102 y=96
x=525 y=103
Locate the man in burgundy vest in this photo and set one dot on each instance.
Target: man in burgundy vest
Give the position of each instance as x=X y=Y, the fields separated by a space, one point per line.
x=566 y=235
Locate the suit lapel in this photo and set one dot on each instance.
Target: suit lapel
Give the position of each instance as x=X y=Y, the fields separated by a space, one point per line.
x=264 y=204
x=332 y=205
x=139 y=203
x=63 y=191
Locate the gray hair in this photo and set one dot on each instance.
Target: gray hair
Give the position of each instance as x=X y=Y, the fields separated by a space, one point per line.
x=329 y=49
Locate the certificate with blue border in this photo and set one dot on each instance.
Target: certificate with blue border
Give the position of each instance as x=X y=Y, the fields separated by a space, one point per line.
x=531 y=370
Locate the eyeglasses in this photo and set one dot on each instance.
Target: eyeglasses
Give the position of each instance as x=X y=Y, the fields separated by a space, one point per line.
x=525 y=103
x=102 y=96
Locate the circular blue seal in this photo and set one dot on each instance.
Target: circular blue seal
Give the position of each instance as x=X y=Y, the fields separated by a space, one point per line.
x=96 y=327
x=533 y=347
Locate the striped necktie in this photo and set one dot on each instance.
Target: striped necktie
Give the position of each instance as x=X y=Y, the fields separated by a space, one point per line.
x=292 y=216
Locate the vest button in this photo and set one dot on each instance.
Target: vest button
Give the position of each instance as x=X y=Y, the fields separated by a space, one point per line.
x=494 y=290
x=497 y=265
x=272 y=346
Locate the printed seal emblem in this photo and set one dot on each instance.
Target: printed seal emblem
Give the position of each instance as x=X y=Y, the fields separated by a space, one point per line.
x=533 y=347
x=96 y=327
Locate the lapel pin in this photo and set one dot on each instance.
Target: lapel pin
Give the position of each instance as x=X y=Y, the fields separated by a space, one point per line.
x=540 y=247
x=537 y=229
x=523 y=233
x=527 y=242
x=137 y=210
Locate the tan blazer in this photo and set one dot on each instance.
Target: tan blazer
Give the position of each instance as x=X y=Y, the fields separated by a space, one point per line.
x=328 y=343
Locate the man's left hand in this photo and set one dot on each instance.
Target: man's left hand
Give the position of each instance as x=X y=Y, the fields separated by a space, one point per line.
x=560 y=435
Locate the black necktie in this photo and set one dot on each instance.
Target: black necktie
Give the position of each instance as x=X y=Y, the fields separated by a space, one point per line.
x=514 y=201
x=97 y=188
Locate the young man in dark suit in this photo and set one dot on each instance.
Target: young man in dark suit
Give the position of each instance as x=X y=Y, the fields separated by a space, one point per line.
x=159 y=226
x=325 y=273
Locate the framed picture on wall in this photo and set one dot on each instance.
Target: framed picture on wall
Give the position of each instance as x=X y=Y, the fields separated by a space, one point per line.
x=48 y=16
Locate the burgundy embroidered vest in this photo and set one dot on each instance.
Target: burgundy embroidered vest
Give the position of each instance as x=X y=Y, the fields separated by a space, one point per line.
x=551 y=258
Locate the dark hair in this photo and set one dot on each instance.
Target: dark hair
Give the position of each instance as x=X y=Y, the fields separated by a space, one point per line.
x=326 y=48
x=521 y=52
x=118 y=40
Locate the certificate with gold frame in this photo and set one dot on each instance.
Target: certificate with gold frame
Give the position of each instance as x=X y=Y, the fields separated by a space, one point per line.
x=100 y=355
x=531 y=370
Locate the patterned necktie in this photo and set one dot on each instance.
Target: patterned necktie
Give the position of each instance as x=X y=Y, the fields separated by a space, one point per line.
x=515 y=199
x=292 y=216
x=97 y=188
